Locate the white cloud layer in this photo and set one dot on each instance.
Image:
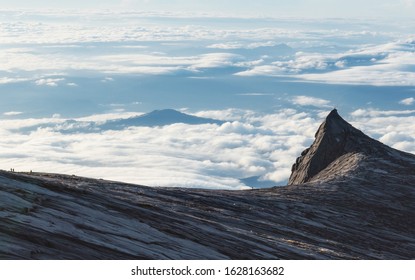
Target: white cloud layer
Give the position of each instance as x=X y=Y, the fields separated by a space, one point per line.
x=208 y=156
x=34 y=44
x=389 y=64
x=12 y=113
x=393 y=128
x=51 y=82
x=180 y=155
x=407 y=101
x=303 y=100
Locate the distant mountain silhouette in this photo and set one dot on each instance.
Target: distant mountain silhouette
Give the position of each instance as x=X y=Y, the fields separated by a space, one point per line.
x=152 y=119
x=158 y=118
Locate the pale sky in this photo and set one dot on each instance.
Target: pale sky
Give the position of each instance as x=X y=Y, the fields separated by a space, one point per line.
x=395 y=9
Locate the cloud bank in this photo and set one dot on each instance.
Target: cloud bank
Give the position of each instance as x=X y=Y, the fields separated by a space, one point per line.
x=37 y=44
x=407 y=101
x=179 y=155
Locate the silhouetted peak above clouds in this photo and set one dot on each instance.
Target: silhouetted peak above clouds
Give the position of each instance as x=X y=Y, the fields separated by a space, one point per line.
x=338 y=149
x=153 y=119
x=159 y=118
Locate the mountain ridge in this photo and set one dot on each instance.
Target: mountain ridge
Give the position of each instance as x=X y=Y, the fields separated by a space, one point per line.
x=154 y=118
x=159 y=118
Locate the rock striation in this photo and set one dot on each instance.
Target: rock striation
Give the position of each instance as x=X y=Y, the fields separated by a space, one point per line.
x=350 y=197
x=337 y=149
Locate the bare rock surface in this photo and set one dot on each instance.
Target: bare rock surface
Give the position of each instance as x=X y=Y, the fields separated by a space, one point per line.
x=350 y=197
x=337 y=149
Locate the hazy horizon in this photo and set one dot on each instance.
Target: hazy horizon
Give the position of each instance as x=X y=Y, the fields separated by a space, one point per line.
x=397 y=10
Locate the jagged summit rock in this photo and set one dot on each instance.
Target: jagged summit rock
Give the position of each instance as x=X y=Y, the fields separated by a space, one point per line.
x=338 y=148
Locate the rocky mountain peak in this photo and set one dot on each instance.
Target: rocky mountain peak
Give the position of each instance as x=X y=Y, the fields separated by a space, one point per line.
x=334 y=139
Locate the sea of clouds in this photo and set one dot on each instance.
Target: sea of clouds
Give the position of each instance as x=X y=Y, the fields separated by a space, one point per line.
x=36 y=45
x=181 y=155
